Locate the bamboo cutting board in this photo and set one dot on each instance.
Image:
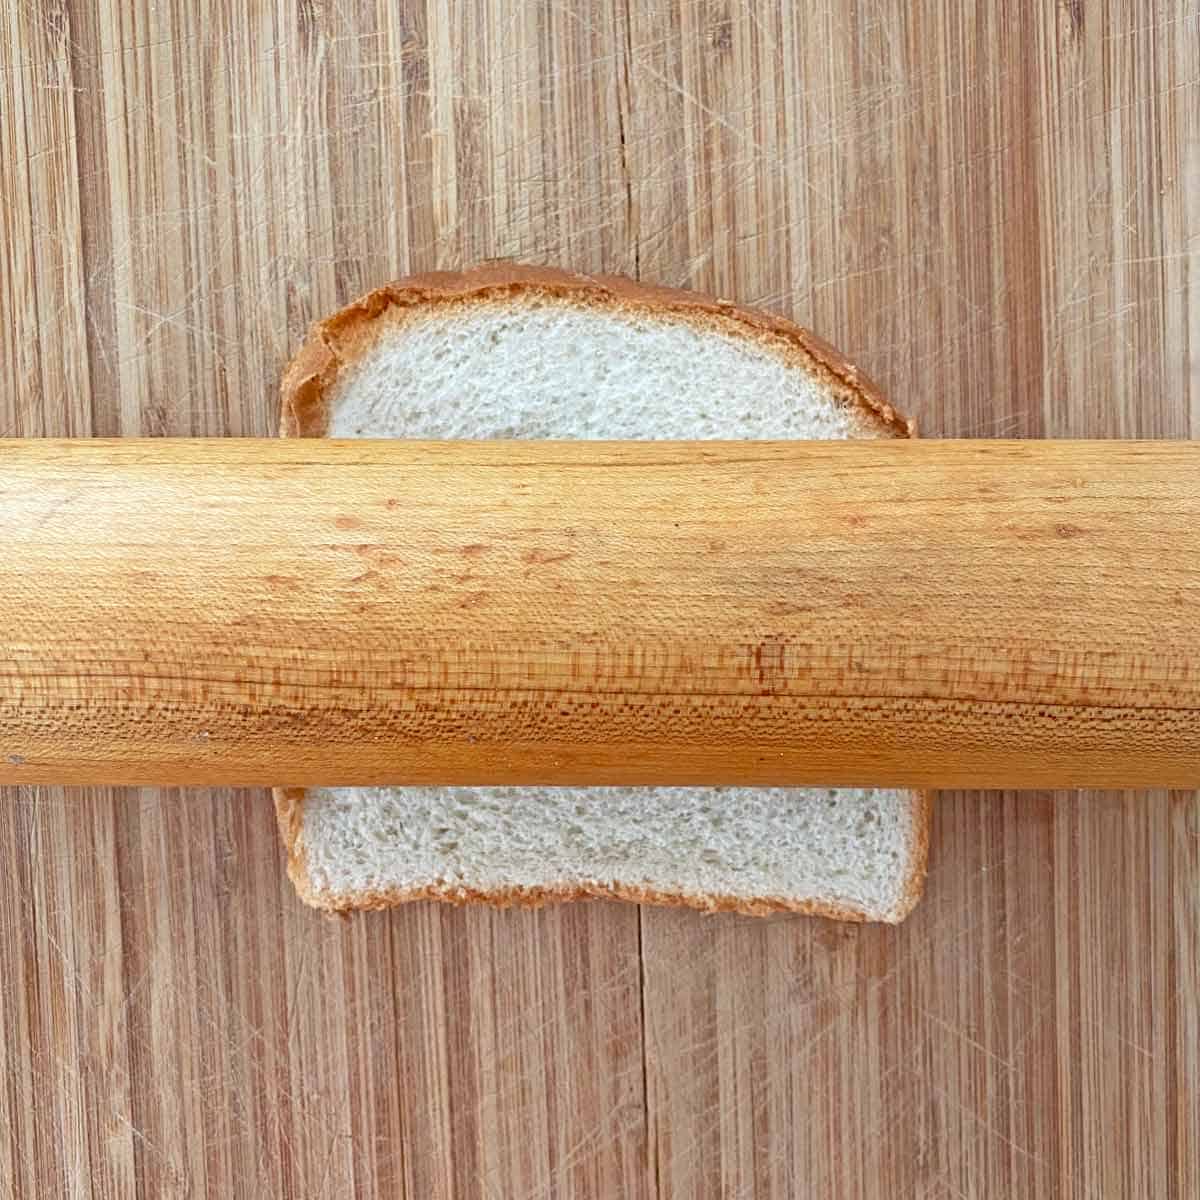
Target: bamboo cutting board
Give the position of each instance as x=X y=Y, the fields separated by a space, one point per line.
x=994 y=208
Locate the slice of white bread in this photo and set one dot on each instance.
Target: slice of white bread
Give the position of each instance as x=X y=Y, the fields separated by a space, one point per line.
x=522 y=352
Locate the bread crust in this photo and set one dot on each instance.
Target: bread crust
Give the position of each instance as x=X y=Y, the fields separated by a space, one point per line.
x=289 y=806
x=340 y=341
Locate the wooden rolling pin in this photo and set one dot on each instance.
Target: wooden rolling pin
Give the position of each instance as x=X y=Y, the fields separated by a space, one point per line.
x=1017 y=614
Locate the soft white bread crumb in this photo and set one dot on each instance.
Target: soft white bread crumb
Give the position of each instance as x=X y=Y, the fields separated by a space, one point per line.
x=531 y=364
x=553 y=370
x=845 y=849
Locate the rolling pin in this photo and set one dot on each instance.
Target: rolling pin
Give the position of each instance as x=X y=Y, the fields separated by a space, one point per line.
x=304 y=612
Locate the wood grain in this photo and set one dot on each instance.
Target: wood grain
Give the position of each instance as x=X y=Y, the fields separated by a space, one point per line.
x=293 y=612
x=995 y=209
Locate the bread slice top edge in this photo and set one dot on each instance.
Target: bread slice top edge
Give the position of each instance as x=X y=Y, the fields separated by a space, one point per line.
x=341 y=341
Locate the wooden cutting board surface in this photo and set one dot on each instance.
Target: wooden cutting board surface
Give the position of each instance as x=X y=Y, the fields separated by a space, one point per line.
x=994 y=208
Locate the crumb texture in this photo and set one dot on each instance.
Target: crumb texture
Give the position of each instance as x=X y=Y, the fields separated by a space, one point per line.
x=846 y=847
x=539 y=368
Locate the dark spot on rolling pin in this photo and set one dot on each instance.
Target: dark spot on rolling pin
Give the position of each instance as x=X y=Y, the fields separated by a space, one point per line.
x=769 y=665
x=785 y=608
x=474 y=600
x=375 y=554
x=1069 y=531
x=716 y=546
x=474 y=550
x=543 y=556
x=17 y=760
x=391 y=502
x=722 y=34
x=855 y=520
x=348 y=523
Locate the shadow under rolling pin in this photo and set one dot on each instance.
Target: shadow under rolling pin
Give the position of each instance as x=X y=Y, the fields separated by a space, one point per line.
x=892 y=613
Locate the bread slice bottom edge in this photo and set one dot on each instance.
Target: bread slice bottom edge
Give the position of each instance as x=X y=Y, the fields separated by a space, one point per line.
x=289 y=811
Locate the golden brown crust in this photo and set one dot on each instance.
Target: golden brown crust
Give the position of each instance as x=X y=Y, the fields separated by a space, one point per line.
x=342 y=339
x=289 y=813
x=922 y=817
